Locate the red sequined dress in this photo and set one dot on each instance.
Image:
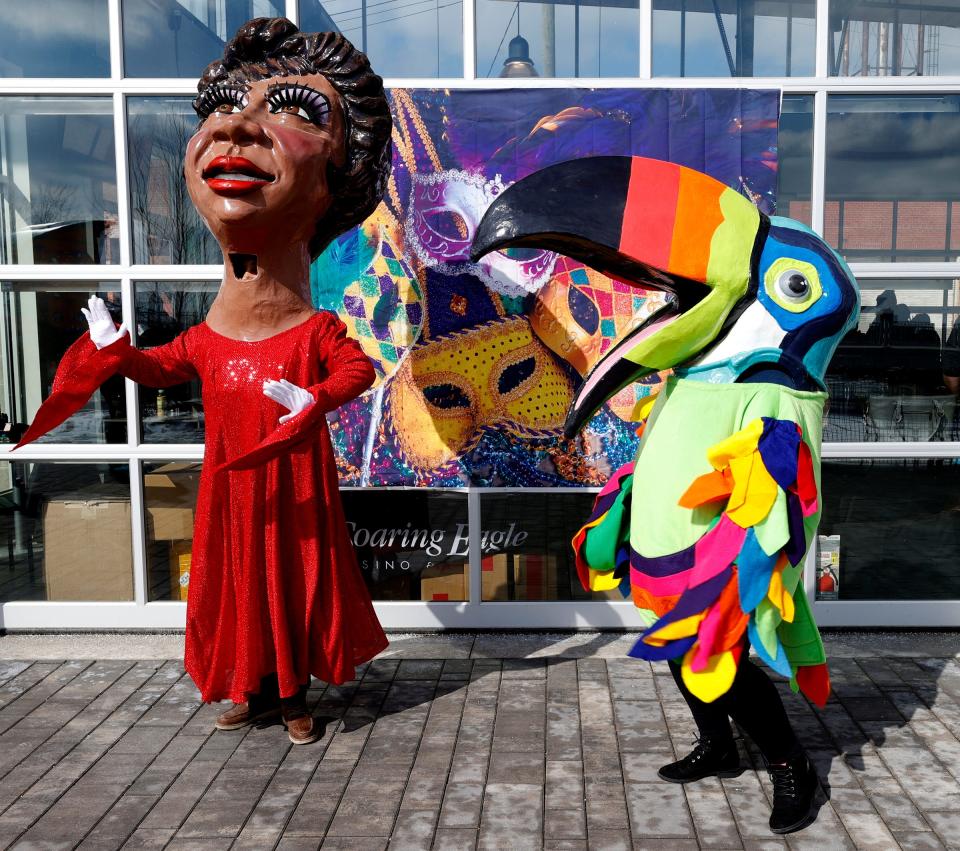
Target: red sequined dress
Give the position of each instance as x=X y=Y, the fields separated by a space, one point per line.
x=274 y=581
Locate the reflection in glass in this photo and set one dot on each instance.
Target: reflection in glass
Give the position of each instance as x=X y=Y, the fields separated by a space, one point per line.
x=898 y=522
x=795 y=157
x=39 y=321
x=526 y=546
x=179 y=38
x=58 y=193
x=411 y=545
x=170 y=501
x=896 y=376
x=66 y=38
x=579 y=39
x=911 y=142
x=164 y=310
x=881 y=38
x=402 y=38
x=65 y=531
x=166 y=226
x=733 y=38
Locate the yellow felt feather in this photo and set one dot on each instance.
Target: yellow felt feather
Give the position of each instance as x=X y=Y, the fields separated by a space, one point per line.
x=603 y=580
x=740 y=444
x=758 y=489
x=779 y=596
x=714 y=680
x=678 y=629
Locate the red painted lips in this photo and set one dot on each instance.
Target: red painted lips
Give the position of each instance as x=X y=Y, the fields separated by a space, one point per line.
x=234 y=176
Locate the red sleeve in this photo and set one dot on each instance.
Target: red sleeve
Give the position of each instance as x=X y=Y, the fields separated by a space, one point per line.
x=349 y=373
x=84 y=368
x=162 y=366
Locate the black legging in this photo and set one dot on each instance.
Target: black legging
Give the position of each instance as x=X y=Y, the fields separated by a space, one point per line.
x=754 y=703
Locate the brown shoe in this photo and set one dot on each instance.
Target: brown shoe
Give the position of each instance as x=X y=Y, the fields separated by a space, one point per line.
x=241 y=715
x=302 y=730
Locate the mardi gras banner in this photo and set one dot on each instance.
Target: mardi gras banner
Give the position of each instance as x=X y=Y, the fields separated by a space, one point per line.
x=477 y=363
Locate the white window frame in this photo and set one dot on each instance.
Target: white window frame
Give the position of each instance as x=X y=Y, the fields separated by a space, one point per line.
x=141 y=614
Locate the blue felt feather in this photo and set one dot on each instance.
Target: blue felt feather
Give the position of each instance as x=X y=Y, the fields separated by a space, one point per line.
x=754 y=568
x=780 y=664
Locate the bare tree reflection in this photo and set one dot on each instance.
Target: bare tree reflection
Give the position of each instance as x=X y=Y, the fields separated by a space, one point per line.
x=167 y=228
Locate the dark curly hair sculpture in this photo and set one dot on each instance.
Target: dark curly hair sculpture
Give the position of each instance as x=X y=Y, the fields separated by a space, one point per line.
x=274 y=47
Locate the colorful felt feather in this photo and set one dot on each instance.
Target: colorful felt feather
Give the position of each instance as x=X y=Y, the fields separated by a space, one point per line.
x=739 y=581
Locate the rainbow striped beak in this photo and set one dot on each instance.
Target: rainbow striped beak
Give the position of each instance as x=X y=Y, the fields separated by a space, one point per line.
x=649 y=223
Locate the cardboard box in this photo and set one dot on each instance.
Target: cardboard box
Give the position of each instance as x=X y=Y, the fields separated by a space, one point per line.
x=444 y=583
x=180 y=558
x=87 y=549
x=170 y=497
x=535 y=577
x=493 y=578
x=519 y=576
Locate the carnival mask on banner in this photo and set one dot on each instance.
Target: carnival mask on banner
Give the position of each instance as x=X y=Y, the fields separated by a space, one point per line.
x=579 y=314
x=497 y=375
x=478 y=359
x=445 y=208
x=365 y=276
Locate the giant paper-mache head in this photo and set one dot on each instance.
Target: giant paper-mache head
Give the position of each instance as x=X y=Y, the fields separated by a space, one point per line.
x=294 y=134
x=750 y=294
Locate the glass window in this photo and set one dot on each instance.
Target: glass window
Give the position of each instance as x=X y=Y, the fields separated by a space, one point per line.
x=795 y=157
x=896 y=376
x=58 y=181
x=66 y=38
x=526 y=546
x=882 y=38
x=170 y=501
x=166 y=226
x=65 y=531
x=733 y=38
x=180 y=38
x=40 y=321
x=579 y=39
x=893 y=177
x=402 y=38
x=164 y=310
x=411 y=545
x=890 y=530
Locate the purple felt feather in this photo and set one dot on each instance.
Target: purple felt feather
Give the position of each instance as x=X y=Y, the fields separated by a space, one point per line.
x=670 y=650
x=779 y=446
x=693 y=601
x=667 y=565
x=797 y=543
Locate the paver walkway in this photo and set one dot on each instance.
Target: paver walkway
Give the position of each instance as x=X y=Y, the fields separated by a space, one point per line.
x=460 y=742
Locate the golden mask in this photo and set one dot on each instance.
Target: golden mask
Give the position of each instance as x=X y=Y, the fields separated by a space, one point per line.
x=496 y=375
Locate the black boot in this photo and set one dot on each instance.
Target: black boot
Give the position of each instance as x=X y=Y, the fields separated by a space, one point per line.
x=794 y=788
x=708 y=759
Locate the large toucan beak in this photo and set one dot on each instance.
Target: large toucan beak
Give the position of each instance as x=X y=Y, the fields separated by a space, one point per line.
x=650 y=223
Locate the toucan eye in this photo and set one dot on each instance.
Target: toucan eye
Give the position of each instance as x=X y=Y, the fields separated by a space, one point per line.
x=793 y=285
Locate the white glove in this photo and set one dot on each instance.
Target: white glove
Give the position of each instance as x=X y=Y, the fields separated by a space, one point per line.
x=296 y=399
x=102 y=330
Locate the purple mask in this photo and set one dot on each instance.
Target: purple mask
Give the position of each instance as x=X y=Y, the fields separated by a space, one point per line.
x=445 y=209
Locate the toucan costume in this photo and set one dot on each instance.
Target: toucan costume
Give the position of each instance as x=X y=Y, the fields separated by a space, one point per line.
x=707 y=530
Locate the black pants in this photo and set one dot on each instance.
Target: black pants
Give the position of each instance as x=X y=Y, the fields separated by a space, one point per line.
x=754 y=703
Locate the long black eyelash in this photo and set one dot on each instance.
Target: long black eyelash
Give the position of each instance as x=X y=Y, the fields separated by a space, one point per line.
x=209 y=99
x=315 y=103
